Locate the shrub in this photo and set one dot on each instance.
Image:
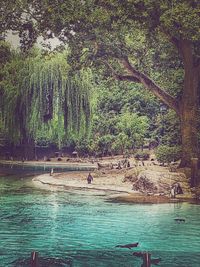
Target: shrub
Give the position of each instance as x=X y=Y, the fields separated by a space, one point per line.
x=105 y=143
x=121 y=143
x=82 y=147
x=167 y=154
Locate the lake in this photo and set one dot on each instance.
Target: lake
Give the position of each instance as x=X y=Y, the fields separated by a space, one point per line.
x=81 y=228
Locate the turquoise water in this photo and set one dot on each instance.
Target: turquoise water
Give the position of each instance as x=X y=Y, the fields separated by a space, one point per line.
x=77 y=229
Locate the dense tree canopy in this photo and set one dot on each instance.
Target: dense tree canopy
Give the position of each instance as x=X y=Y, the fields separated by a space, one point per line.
x=136 y=40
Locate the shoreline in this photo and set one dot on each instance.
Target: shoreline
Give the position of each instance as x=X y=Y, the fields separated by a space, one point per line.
x=116 y=184
x=114 y=191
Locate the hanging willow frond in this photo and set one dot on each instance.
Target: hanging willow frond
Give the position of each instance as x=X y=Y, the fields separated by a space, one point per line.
x=39 y=90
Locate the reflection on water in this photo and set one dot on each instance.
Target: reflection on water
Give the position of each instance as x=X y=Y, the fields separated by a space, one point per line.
x=69 y=229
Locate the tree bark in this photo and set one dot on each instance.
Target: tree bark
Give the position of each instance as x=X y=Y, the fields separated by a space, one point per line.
x=189 y=138
x=189 y=106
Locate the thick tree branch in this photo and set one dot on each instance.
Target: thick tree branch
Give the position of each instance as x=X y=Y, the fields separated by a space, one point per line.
x=126 y=78
x=121 y=77
x=151 y=86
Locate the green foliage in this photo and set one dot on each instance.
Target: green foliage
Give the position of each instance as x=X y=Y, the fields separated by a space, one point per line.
x=115 y=116
x=121 y=143
x=112 y=24
x=167 y=154
x=134 y=127
x=83 y=147
x=38 y=90
x=183 y=18
x=105 y=144
x=118 y=132
x=5 y=53
x=167 y=128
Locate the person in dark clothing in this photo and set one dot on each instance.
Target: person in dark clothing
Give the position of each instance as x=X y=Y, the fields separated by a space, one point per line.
x=89 y=178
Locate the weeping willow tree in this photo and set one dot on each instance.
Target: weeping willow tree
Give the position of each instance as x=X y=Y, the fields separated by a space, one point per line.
x=42 y=93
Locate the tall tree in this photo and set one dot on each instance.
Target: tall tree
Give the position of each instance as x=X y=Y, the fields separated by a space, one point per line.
x=101 y=29
x=38 y=88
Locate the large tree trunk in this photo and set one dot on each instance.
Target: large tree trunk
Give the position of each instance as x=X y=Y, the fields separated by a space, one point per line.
x=189 y=107
x=189 y=138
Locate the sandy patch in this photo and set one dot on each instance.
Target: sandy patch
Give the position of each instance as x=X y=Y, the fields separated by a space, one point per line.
x=78 y=180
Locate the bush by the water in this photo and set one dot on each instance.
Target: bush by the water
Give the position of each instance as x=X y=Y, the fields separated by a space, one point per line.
x=167 y=154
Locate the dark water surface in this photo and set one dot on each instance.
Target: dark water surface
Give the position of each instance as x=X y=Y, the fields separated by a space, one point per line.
x=80 y=229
